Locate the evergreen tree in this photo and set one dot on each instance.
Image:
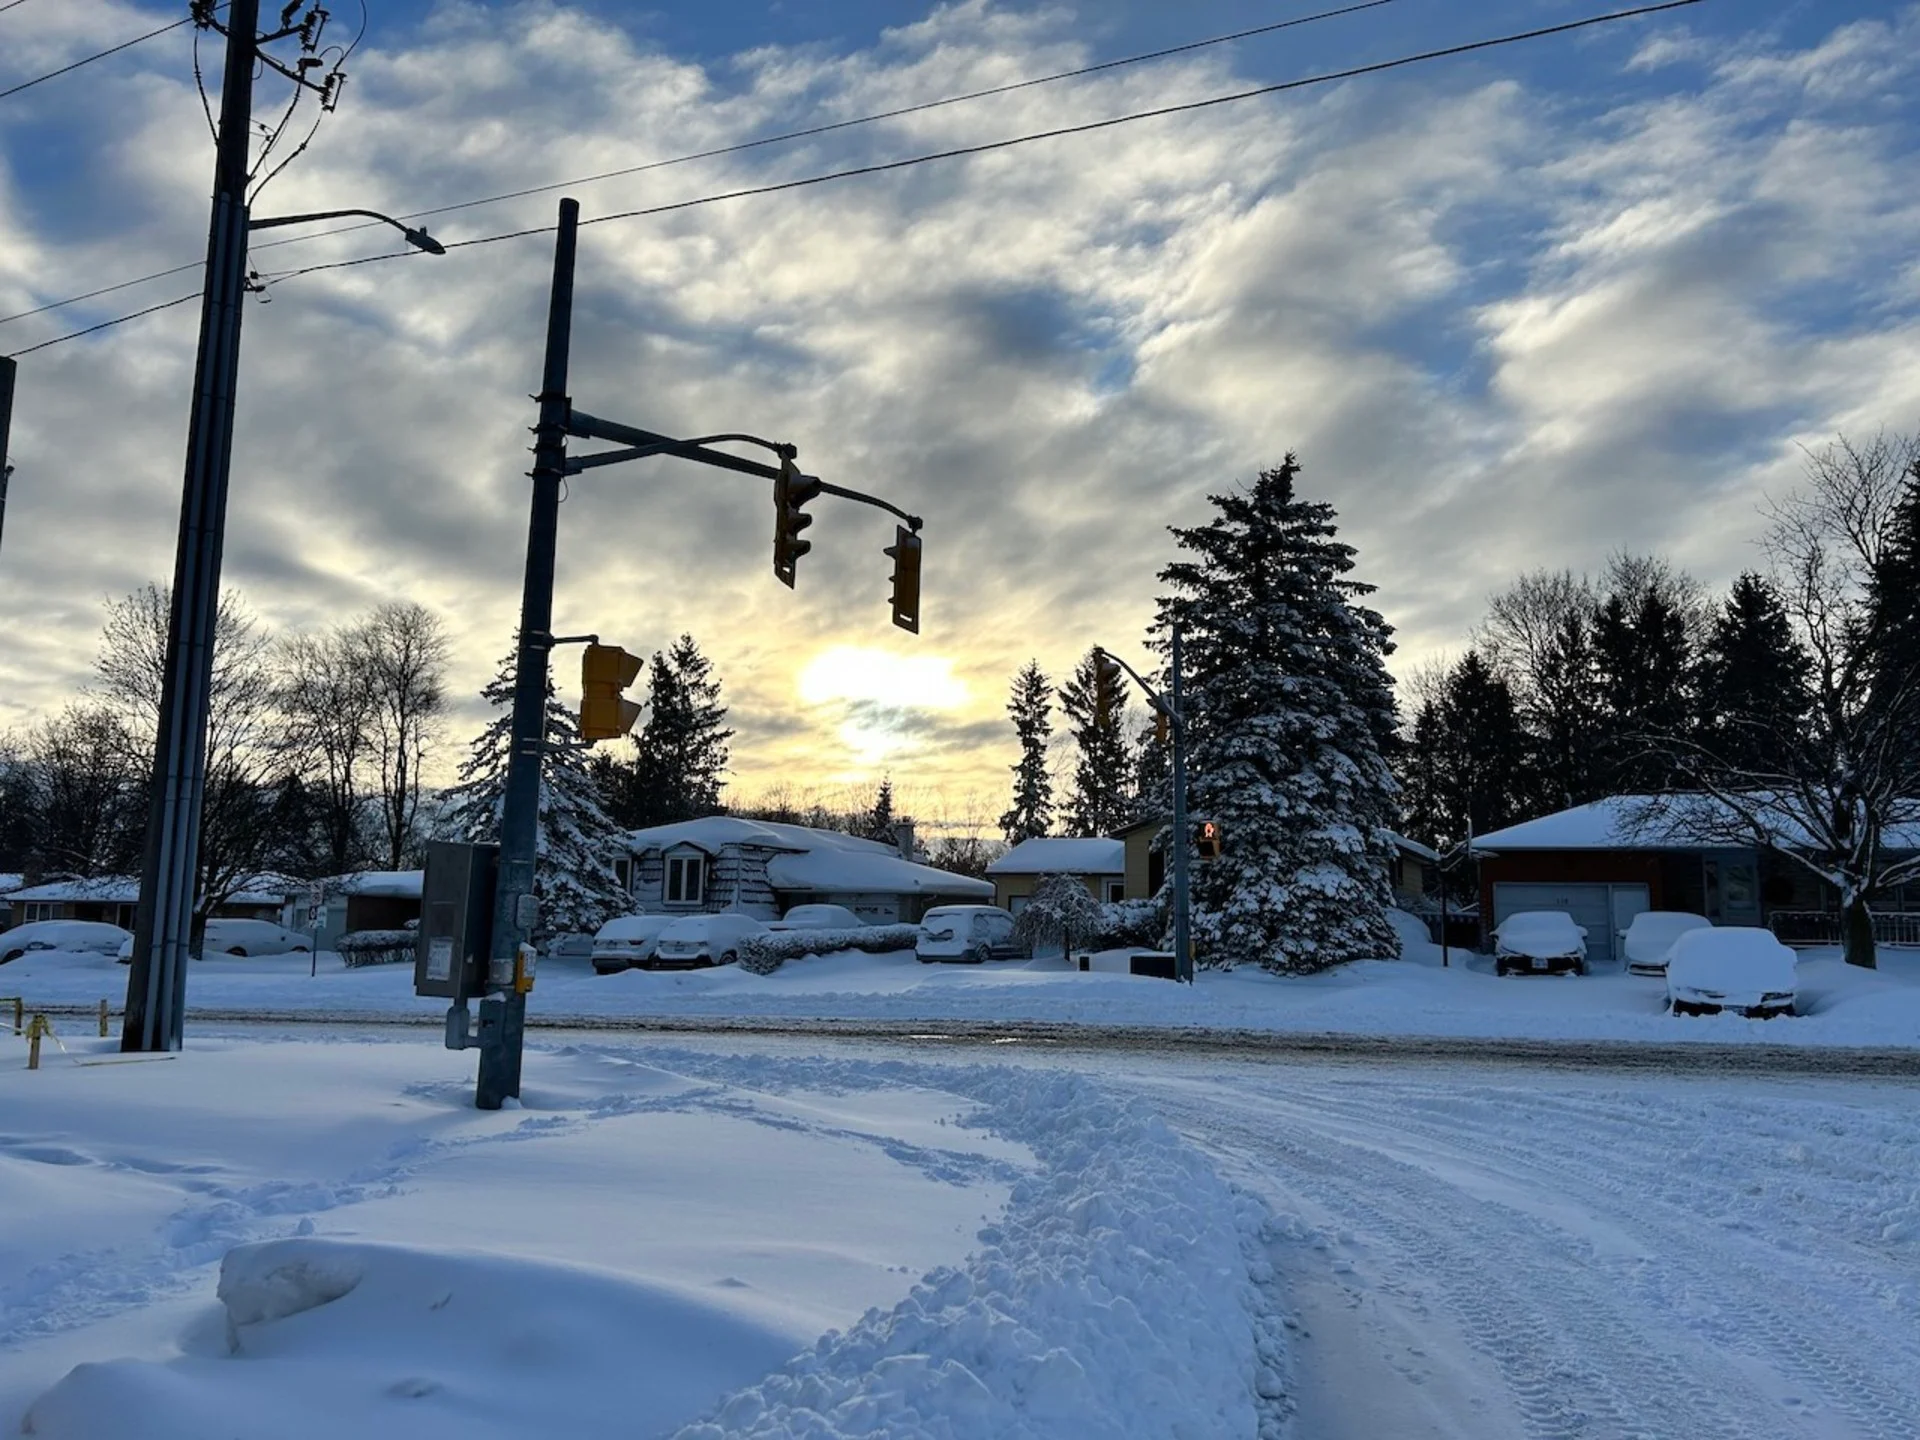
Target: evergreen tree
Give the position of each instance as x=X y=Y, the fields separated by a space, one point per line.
x=1754 y=682
x=1030 y=705
x=878 y=824
x=1893 y=603
x=1564 y=719
x=578 y=843
x=1643 y=671
x=678 y=764
x=1289 y=704
x=1095 y=702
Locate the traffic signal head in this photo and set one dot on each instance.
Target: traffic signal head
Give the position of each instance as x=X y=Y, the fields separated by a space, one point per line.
x=1106 y=685
x=905 y=551
x=606 y=670
x=1206 y=839
x=1162 y=727
x=791 y=491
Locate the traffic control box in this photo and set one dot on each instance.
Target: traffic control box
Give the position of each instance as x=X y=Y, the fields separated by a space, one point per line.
x=456 y=920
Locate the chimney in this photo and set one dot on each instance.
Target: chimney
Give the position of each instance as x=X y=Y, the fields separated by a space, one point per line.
x=903 y=838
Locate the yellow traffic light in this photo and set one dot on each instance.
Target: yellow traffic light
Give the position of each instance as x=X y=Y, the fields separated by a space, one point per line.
x=905 y=551
x=1162 y=727
x=606 y=670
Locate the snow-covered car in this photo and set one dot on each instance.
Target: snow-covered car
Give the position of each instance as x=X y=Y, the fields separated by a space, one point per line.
x=627 y=940
x=1731 y=967
x=703 y=940
x=253 y=937
x=573 y=945
x=1546 y=942
x=87 y=937
x=1651 y=935
x=969 y=933
x=817 y=917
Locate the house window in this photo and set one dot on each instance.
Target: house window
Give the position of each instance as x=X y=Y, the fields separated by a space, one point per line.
x=623 y=875
x=1116 y=891
x=686 y=879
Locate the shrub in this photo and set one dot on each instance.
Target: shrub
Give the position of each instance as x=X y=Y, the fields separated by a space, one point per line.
x=1128 y=923
x=376 y=947
x=764 y=954
x=1061 y=909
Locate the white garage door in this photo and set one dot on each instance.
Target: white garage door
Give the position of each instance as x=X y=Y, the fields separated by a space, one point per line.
x=1603 y=909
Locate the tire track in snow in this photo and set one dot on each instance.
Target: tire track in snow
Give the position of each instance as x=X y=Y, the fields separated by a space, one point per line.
x=1574 y=1348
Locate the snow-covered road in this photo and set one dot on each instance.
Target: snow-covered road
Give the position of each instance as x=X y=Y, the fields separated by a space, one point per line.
x=1485 y=1253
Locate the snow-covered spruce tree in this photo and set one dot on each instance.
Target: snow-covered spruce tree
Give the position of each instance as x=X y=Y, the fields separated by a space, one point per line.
x=877 y=824
x=1290 y=707
x=573 y=874
x=1030 y=705
x=1094 y=700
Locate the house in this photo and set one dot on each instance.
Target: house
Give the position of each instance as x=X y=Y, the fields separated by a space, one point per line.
x=762 y=868
x=114 y=899
x=1606 y=862
x=365 y=900
x=1144 y=864
x=8 y=884
x=1099 y=864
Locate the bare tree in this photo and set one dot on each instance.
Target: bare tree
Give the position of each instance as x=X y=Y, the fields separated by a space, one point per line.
x=85 y=786
x=404 y=652
x=328 y=698
x=1525 y=622
x=240 y=819
x=1851 y=776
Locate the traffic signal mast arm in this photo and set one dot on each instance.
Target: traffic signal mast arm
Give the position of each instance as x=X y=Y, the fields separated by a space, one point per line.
x=644 y=443
x=1157 y=702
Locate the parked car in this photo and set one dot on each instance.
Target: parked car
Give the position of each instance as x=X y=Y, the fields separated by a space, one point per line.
x=1651 y=935
x=969 y=933
x=572 y=945
x=626 y=941
x=818 y=917
x=1731 y=967
x=703 y=940
x=88 y=937
x=253 y=937
x=1540 y=942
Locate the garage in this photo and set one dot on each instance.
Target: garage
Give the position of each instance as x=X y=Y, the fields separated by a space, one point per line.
x=1603 y=909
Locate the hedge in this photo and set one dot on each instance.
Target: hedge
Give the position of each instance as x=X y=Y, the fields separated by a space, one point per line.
x=764 y=954
x=377 y=947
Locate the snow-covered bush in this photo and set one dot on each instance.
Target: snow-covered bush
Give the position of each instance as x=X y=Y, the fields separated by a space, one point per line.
x=764 y=954
x=1130 y=922
x=376 y=947
x=1061 y=909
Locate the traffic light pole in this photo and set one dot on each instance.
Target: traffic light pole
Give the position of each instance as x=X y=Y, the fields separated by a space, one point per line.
x=503 y=1010
x=157 y=975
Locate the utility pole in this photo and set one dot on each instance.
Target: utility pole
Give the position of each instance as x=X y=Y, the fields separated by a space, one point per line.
x=503 y=1010
x=157 y=979
x=8 y=366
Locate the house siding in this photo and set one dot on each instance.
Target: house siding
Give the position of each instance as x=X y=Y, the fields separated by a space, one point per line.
x=737 y=871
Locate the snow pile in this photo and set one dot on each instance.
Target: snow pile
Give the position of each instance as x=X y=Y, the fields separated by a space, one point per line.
x=1116 y=1298
x=326 y=1338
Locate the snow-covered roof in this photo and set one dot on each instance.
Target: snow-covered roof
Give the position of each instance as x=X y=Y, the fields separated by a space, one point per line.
x=387 y=884
x=1055 y=855
x=1663 y=822
x=1415 y=848
x=712 y=833
x=829 y=871
x=125 y=890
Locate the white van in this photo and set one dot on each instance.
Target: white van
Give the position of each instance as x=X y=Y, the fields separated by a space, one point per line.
x=967 y=933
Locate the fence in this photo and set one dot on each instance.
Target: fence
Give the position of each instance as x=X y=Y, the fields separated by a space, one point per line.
x=1824 y=927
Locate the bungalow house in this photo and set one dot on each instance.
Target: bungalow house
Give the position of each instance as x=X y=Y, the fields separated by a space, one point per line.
x=1144 y=864
x=113 y=899
x=366 y=900
x=1099 y=864
x=1606 y=862
x=8 y=884
x=762 y=868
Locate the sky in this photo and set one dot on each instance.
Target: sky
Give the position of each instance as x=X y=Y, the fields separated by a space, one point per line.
x=1525 y=307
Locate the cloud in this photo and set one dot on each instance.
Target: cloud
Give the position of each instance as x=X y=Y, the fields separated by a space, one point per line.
x=1505 y=321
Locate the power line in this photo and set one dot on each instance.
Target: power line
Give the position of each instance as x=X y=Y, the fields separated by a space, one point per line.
x=781 y=138
x=961 y=151
x=10 y=4
x=1184 y=107
x=109 y=324
x=67 y=69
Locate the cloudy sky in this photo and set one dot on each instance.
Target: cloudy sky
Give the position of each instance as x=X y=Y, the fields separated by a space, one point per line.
x=1525 y=307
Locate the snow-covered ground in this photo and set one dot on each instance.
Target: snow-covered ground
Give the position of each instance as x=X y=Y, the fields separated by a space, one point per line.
x=314 y=1238
x=1840 y=1005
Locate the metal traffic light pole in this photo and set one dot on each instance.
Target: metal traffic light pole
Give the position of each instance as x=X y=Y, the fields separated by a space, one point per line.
x=503 y=1003
x=1169 y=706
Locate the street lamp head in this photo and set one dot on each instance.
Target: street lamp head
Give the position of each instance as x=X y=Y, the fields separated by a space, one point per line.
x=420 y=240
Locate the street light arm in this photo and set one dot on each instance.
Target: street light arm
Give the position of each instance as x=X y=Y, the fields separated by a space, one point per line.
x=1155 y=699
x=419 y=239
